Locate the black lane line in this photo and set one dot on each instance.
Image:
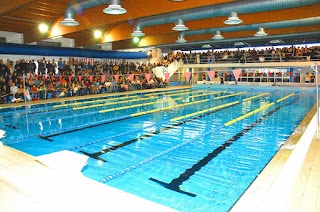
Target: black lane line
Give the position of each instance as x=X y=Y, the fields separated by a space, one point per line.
x=45 y=138
x=87 y=127
x=112 y=148
x=175 y=184
x=82 y=128
x=11 y=126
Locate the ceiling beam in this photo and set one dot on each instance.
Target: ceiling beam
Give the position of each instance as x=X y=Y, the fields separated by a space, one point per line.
x=171 y=38
x=8 y=6
x=123 y=31
x=95 y=18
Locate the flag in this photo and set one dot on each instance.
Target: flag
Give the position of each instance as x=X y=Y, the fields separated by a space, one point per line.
x=131 y=77
x=236 y=73
x=116 y=77
x=187 y=75
x=167 y=76
x=211 y=75
x=148 y=76
x=103 y=78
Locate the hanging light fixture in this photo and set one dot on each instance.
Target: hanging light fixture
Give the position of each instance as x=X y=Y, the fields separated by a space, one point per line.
x=276 y=41
x=206 y=46
x=239 y=43
x=115 y=8
x=180 y=26
x=181 y=40
x=69 y=20
x=233 y=19
x=138 y=33
x=217 y=36
x=260 y=32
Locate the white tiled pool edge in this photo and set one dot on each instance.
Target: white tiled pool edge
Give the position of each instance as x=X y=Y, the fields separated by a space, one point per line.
x=271 y=189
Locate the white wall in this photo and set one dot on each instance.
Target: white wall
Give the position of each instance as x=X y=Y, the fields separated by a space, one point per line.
x=12 y=37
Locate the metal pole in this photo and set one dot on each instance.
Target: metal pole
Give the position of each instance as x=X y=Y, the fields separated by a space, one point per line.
x=315 y=69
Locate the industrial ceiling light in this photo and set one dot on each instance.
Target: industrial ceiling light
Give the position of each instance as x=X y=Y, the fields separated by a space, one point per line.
x=137 y=33
x=276 y=41
x=180 y=26
x=69 y=20
x=260 y=32
x=181 y=40
x=217 y=36
x=115 y=8
x=233 y=19
x=239 y=43
x=206 y=46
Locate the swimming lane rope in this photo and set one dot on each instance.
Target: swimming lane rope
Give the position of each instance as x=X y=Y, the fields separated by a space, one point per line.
x=199 y=137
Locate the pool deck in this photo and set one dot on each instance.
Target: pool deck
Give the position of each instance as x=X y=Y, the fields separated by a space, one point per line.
x=290 y=182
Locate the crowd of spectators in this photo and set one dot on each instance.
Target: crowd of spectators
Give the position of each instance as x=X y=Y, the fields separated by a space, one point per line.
x=284 y=54
x=51 y=79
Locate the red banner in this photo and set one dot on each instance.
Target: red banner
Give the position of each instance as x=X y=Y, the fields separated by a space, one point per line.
x=236 y=73
x=211 y=75
x=131 y=77
x=103 y=78
x=37 y=77
x=148 y=76
x=79 y=78
x=70 y=78
x=60 y=77
x=44 y=77
x=116 y=77
x=167 y=76
x=52 y=77
x=187 y=75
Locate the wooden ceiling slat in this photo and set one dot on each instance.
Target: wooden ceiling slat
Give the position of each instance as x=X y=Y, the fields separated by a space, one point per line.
x=50 y=3
x=32 y=15
x=25 y=15
x=8 y=6
x=44 y=9
x=122 y=31
x=22 y=27
x=167 y=39
x=94 y=17
x=20 y=20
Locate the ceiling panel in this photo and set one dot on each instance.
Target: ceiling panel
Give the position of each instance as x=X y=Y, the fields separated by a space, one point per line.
x=23 y=16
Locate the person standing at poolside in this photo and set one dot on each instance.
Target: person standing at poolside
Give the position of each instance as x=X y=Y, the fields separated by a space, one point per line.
x=312 y=77
x=307 y=78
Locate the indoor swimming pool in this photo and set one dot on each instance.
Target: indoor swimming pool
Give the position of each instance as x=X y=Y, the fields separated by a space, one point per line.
x=195 y=149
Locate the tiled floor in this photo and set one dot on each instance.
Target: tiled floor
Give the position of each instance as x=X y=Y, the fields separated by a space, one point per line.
x=27 y=185
x=287 y=183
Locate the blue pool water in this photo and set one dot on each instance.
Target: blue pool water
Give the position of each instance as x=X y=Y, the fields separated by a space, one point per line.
x=196 y=163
